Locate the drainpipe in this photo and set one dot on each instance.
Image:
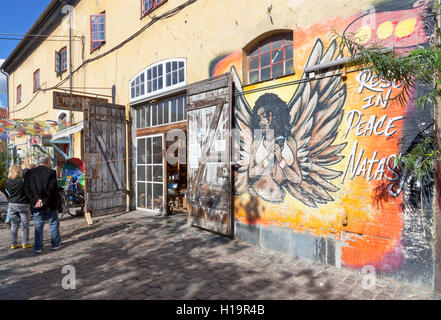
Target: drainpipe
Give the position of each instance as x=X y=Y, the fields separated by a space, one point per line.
x=7 y=108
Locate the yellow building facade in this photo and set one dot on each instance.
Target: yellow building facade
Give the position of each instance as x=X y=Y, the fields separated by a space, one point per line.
x=343 y=202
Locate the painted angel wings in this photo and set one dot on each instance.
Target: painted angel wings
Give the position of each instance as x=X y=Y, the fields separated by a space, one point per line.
x=315 y=112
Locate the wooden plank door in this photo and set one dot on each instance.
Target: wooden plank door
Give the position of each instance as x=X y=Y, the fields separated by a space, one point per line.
x=209 y=155
x=105 y=158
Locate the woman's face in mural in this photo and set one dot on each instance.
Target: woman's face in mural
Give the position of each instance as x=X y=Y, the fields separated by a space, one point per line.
x=265 y=118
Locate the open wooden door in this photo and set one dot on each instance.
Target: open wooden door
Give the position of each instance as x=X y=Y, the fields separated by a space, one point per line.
x=105 y=158
x=209 y=113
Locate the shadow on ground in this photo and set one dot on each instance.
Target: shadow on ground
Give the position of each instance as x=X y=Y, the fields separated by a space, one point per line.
x=147 y=257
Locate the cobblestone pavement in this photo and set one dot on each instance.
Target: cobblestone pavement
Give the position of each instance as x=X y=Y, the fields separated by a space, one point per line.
x=142 y=256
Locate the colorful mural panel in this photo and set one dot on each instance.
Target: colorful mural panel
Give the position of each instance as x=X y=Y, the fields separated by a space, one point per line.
x=329 y=167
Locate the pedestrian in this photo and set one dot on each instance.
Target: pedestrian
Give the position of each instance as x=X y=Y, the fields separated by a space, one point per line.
x=31 y=166
x=42 y=190
x=18 y=207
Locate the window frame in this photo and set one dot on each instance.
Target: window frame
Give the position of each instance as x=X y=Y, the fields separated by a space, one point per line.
x=59 y=54
x=101 y=42
x=155 y=4
x=19 y=92
x=269 y=41
x=165 y=88
x=36 y=73
x=179 y=100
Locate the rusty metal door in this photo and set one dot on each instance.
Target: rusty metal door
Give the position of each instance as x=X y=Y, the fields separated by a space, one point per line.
x=105 y=158
x=209 y=110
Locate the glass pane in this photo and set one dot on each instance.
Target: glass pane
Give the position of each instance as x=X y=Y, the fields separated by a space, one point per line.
x=174 y=111
x=253 y=76
x=184 y=99
x=160 y=83
x=278 y=70
x=277 y=56
x=160 y=70
x=149 y=151
x=288 y=52
x=141 y=151
x=155 y=72
x=168 y=67
x=166 y=112
x=142 y=89
x=157 y=173
x=155 y=85
x=149 y=173
x=289 y=67
x=137 y=92
x=265 y=60
x=181 y=64
x=142 y=118
x=174 y=65
x=157 y=197
x=147 y=116
x=141 y=195
x=160 y=114
x=149 y=196
x=149 y=74
x=265 y=74
x=180 y=109
x=254 y=63
x=288 y=38
x=138 y=118
x=141 y=173
x=154 y=115
x=278 y=42
x=181 y=75
x=265 y=47
x=175 y=77
x=168 y=79
x=157 y=150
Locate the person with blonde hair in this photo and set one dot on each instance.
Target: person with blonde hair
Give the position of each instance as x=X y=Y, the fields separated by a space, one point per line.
x=18 y=207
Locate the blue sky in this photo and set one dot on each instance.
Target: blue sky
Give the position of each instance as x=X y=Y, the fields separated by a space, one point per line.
x=16 y=17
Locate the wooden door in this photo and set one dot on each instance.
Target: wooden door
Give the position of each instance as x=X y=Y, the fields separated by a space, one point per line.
x=209 y=155
x=105 y=158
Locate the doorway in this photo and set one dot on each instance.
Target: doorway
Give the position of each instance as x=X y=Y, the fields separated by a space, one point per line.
x=150 y=173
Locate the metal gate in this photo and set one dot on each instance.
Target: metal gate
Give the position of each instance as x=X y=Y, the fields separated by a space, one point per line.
x=105 y=158
x=209 y=110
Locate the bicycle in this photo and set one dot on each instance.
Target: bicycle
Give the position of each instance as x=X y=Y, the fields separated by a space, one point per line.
x=72 y=198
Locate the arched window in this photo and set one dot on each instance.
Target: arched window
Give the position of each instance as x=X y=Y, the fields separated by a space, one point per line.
x=158 y=78
x=271 y=58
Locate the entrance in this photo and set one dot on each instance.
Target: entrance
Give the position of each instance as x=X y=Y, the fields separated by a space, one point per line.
x=150 y=173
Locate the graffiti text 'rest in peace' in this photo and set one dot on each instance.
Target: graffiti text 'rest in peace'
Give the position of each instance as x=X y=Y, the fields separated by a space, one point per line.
x=371 y=167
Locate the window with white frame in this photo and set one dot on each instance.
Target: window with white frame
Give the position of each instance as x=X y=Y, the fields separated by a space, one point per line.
x=161 y=113
x=158 y=78
x=137 y=86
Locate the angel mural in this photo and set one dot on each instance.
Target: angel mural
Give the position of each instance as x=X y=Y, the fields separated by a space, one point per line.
x=289 y=146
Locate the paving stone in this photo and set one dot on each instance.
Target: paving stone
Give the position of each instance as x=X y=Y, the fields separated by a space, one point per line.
x=140 y=256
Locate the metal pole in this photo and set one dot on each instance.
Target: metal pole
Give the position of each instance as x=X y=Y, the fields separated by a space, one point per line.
x=70 y=81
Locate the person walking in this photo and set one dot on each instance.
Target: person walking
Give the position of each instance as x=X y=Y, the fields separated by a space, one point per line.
x=42 y=190
x=18 y=208
x=31 y=166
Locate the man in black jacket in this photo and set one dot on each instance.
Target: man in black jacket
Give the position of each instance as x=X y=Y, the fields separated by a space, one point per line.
x=42 y=190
